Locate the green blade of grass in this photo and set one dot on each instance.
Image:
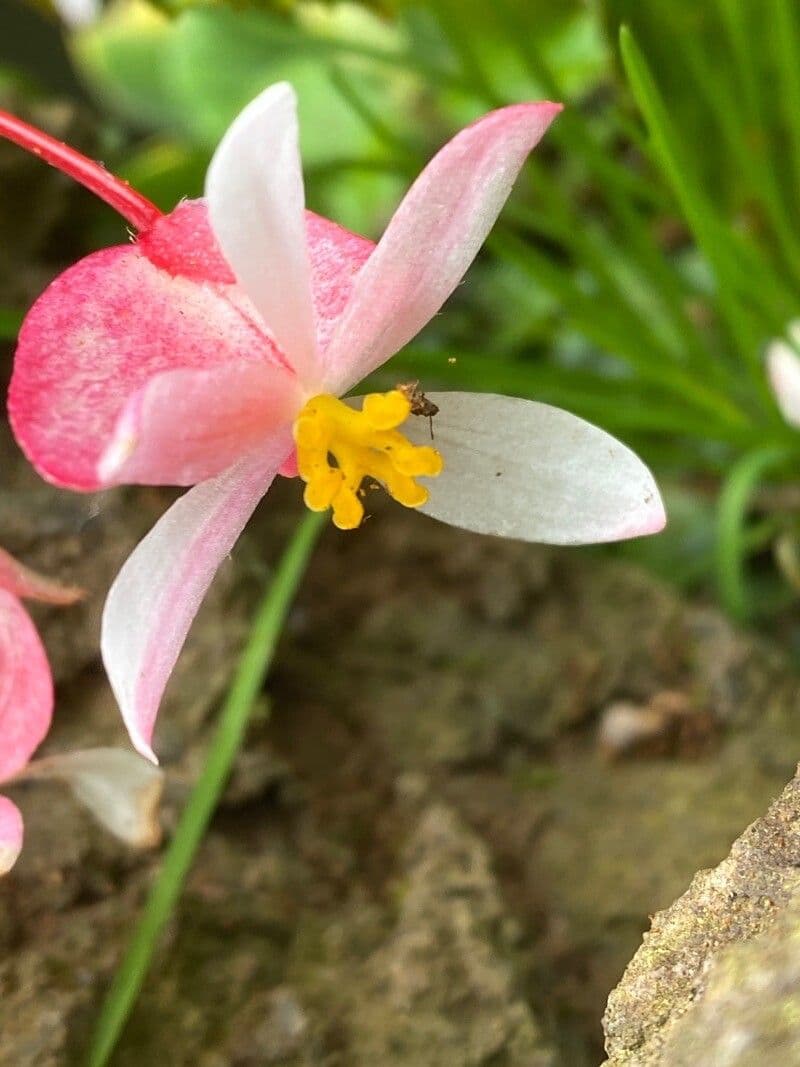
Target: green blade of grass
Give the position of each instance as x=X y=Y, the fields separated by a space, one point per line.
x=786 y=45
x=698 y=211
x=746 y=144
x=732 y=539
x=613 y=180
x=165 y=893
x=733 y=14
x=592 y=319
x=381 y=130
x=619 y=405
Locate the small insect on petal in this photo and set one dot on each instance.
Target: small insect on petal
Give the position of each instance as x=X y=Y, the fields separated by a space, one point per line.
x=517 y=468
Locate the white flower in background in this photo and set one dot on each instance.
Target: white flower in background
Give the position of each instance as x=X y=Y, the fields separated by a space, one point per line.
x=783 y=368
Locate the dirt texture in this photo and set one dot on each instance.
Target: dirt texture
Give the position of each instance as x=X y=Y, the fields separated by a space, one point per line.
x=441 y=846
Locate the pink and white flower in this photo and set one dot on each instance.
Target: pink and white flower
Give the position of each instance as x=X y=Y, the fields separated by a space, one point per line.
x=191 y=356
x=121 y=790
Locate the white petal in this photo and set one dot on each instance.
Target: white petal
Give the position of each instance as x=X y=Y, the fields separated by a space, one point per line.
x=520 y=469
x=120 y=789
x=254 y=189
x=783 y=367
x=433 y=237
x=159 y=590
x=78 y=12
x=11 y=834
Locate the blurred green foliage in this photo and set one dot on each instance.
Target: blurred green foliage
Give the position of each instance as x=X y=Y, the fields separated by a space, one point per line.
x=648 y=256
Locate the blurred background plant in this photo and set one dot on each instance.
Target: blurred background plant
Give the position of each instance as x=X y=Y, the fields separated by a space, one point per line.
x=645 y=262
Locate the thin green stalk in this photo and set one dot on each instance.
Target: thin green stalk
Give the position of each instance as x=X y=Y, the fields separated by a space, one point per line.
x=613 y=179
x=699 y=213
x=745 y=145
x=165 y=893
x=451 y=19
x=734 y=17
x=381 y=130
x=732 y=537
x=618 y=404
x=787 y=49
x=592 y=319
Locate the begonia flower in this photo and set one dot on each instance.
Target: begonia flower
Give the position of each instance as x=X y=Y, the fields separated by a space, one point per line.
x=213 y=349
x=120 y=789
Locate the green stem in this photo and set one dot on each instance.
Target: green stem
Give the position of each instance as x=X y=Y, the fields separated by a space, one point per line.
x=732 y=536
x=267 y=627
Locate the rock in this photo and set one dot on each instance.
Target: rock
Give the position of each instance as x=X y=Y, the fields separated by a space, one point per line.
x=749 y=1012
x=733 y=904
x=442 y=989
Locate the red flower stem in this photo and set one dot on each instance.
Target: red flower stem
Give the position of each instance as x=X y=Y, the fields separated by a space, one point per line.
x=133 y=207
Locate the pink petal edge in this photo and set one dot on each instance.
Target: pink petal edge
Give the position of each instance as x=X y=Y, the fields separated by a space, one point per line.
x=184 y=427
x=26 y=687
x=20 y=580
x=108 y=325
x=97 y=335
x=158 y=592
x=432 y=239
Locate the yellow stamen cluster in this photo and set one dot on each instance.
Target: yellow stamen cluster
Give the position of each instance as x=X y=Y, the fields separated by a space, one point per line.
x=338 y=447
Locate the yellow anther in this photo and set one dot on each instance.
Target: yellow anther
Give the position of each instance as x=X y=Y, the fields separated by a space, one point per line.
x=339 y=446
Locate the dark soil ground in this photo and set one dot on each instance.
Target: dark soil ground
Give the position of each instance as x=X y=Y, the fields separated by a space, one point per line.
x=486 y=765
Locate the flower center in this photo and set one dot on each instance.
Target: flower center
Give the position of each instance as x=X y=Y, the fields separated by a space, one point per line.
x=338 y=447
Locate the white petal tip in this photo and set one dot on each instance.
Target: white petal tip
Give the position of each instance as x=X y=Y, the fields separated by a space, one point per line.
x=145 y=750
x=783 y=370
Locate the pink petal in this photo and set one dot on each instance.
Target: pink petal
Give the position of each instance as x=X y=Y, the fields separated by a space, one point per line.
x=97 y=335
x=336 y=256
x=20 y=580
x=432 y=239
x=116 y=319
x=185 y=426
x=11 y=833
x=26 y=687
x=254 y=191
x=157 y=593
x=183 y=244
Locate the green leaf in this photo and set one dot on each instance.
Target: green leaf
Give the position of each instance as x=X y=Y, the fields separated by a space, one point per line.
x=123 y=57
x=734 y=500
